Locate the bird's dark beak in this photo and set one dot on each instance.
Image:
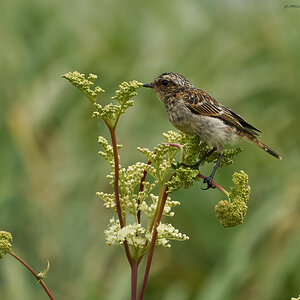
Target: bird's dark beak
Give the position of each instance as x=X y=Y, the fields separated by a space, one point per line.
x=148 y=85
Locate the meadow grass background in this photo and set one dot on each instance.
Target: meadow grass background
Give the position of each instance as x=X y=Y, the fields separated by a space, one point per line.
x=244 y=53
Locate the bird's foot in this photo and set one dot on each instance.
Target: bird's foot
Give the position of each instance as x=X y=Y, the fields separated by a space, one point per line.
x=208 y=181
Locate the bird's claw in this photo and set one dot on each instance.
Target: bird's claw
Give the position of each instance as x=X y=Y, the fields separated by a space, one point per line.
x=208 y=181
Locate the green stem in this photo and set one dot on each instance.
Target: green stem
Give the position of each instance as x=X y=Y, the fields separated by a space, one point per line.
x=161 y=191
x=41 y=282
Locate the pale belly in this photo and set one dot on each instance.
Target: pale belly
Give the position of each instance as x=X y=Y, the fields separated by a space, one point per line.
x=211 y=130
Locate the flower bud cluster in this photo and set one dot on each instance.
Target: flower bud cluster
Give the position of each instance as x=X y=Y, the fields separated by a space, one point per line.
x=126 y=92
x=109 y=200
x=84 y=84
x=162 y=158
x=166 y=232
x=110 y=113
x=5 y=243
x=129 y=184
x=107 y=154
x=231 y=213
x=173 y=137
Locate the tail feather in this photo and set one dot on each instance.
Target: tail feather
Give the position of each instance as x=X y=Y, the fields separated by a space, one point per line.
x=260 y=144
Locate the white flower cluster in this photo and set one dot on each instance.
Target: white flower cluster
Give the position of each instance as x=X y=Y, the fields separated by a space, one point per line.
x=148 y=153
x=109 y=200
x=166 y=232
x=132 y=233
x=169 y=205
x=131 y=177
x=129 y=183
x=139 y=237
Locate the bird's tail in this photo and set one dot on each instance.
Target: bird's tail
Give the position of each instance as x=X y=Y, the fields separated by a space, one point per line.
x=260 y=144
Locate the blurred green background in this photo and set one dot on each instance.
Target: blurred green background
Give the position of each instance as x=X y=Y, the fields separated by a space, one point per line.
x=244 y=53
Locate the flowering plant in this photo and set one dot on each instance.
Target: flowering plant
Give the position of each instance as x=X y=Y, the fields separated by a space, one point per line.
x=141 y=192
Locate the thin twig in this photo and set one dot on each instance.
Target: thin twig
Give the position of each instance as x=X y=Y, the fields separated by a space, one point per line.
x=215 y=185
x=41 y=282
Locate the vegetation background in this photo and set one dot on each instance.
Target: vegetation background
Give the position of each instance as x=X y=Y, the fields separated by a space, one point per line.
x=244 y=53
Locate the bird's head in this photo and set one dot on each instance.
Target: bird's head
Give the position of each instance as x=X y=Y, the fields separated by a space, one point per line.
x=167 y=84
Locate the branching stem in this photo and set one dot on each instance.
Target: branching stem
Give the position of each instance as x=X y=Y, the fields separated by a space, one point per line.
x=160 y=208
x=133 y=265
x=141 y=189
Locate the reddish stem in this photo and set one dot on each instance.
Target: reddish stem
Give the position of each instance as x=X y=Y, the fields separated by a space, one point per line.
x=116 y=188
x=175 y=145
x=41 y=282
x=141 y=189
x=152 y=246
x=215 y=184
x=133 y=265
x=134 y=274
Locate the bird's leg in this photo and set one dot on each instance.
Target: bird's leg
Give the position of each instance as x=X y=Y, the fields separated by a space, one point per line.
x=209 y=179
x=197 y=164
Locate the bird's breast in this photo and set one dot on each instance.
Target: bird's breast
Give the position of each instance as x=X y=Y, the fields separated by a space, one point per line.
x=211 y=130
x=181 y=118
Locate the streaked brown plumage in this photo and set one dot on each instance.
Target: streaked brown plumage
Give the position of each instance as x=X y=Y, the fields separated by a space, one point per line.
x=194 y=111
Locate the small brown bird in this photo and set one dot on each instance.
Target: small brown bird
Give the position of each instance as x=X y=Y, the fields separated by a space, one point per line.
x=195 y=112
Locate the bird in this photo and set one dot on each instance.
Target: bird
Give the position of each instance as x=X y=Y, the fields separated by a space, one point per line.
x=194 y=112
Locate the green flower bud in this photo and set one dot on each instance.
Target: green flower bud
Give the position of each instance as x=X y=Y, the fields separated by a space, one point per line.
x=5 y=243
x=231 y=213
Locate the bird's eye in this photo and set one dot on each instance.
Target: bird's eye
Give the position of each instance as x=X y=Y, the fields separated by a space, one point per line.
x=165 y=82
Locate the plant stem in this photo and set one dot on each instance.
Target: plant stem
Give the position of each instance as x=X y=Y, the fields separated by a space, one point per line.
x=116 y=188
x=34 y=274
x=141 y=189
x=160 y=210
x=134 y=275
x=159 y=203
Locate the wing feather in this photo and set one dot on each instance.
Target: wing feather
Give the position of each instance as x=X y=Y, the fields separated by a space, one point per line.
x=199 y=102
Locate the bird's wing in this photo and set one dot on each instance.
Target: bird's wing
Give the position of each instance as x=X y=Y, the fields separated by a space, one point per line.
x=199 y=102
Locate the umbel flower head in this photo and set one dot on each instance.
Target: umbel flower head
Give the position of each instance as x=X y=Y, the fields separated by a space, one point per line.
x=5 y=243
